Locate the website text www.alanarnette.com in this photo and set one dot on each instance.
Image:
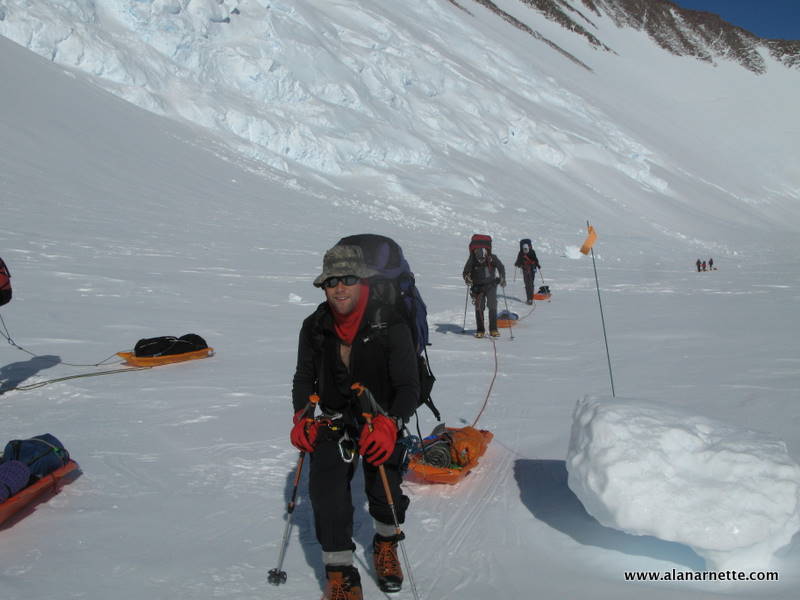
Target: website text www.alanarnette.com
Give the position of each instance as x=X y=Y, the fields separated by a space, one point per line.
x=675 y=575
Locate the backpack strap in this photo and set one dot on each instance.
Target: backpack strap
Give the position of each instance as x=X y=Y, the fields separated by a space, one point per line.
x=317 y=342
x=381 y=319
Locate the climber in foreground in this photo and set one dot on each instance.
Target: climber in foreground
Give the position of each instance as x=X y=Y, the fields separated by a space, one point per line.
x=352 y=338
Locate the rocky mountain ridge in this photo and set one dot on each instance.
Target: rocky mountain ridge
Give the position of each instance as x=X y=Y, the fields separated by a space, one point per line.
x=703 y=35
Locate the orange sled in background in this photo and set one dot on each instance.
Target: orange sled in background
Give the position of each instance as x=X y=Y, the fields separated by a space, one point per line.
x=449 y=454
x=507 y=319
x=154 y=361
x=543 y=293
x=152 y=352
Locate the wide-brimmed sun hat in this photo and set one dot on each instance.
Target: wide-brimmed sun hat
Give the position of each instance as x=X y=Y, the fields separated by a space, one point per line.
x=344 y=260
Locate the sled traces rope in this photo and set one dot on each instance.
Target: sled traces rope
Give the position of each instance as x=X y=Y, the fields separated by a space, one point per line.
x=7 y=335
x=38 y=384
x=491 y=384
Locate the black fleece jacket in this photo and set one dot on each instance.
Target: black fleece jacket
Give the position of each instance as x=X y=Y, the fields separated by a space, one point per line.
x=382 y=358
x=483 y=273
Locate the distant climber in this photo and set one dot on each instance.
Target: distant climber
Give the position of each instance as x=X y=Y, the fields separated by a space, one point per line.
x=528 y=262
x=482 y=272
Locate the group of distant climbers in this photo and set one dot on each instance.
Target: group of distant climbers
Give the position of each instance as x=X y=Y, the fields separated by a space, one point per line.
x=705 y=266
x=483 y=271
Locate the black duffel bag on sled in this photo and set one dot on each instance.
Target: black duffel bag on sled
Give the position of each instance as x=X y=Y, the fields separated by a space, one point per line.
x=167 y=345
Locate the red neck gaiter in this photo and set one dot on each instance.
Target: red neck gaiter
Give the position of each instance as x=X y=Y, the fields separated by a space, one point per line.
x=346 y=326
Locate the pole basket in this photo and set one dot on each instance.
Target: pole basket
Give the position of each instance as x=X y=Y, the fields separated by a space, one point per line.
x=276 y=577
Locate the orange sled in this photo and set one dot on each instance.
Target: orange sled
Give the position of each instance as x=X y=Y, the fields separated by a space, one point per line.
x=507 y=319
x=47 y=486
x=154 y=361
x=477 y=441
x=543 y=293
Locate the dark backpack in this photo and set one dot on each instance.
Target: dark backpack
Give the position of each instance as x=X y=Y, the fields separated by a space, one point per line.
x=5 y=284
x=394 y=286
x=480 y=241
x=531 y=255
x=43 y=454
x=168 y=344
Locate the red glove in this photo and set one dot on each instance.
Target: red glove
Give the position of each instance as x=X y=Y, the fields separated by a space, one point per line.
x=304 y=433
x=378 y=444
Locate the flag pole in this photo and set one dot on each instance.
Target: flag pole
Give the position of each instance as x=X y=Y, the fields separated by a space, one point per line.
x=600 y=302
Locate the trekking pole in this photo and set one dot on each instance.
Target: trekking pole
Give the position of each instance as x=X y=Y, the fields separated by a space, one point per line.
x=368 y=404
x=540 y=275
x=602 y=318
x=510 y=327
x=277 y=576
x=466 y=299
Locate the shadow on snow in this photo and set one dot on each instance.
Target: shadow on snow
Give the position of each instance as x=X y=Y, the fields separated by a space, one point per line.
x=543 y=489
x=15 y=373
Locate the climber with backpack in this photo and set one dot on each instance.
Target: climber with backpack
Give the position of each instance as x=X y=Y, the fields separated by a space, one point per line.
x=5 y=284
x=360 y=338
x=482 y=272
x=527 y=261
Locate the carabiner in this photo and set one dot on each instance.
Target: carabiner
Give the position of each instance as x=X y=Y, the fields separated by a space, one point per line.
x=347 y=448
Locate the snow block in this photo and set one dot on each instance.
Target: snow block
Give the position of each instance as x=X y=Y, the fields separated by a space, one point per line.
x=732 y=494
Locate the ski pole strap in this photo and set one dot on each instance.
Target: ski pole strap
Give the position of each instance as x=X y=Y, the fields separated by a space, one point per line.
x=364 y=393
x=369 y=406
x=313 y=400
x=364 y=396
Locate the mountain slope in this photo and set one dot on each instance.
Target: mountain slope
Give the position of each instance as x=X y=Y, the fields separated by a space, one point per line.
x=507 y=115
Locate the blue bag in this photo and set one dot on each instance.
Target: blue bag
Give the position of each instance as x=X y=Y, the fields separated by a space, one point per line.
x=43 y=454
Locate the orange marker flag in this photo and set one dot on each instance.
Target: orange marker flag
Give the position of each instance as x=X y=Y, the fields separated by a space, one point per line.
x=590 y=240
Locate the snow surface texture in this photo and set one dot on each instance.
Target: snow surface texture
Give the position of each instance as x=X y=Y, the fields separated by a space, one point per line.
x=732 y=494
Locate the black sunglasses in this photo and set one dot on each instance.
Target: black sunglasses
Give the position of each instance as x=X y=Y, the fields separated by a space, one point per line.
x=332 y=282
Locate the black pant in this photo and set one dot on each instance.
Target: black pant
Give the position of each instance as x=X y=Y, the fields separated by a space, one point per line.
x=331 y=498
x=528 y=276
x=483 y=295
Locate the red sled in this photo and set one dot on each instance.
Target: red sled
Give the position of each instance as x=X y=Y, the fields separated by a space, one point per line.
x=480 y=241
x=44 y=489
